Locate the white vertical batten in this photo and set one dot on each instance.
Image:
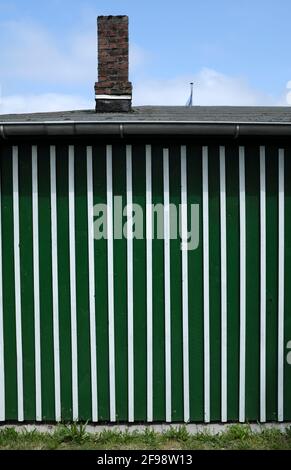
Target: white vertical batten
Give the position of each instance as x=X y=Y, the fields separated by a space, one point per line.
x=17 y=285
x=149 y=275
x=55 y=284
x=38 y=391
x=223 y=286
x=242 y=218
x=167 y=286
x=206 y=285
x=130 y=284
x=73 y=282
x=281 y=288
x=91 y=265
x=110 y=283
x=2 y=374
x=263 y=284
x=185 y=308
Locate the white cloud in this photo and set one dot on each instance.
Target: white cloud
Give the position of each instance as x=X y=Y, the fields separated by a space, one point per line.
x=31 y=53
x=138 y=57
x=212 y=88
x=43 y=102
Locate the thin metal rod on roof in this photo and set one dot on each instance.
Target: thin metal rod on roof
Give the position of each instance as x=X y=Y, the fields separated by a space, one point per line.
x=190 y=100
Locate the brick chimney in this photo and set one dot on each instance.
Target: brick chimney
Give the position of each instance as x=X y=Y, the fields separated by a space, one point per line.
x=113 y=91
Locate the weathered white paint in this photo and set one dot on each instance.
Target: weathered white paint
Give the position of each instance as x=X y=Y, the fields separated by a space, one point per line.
x=37 y=347
x=17 y=281
x=130 y=338
x=73 y=299
x=110 y=283
x=91 y=264
x=167 y=282
x=281 y=287
x=55 y=284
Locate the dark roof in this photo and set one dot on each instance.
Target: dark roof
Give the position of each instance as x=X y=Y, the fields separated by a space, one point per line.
x=196 y=114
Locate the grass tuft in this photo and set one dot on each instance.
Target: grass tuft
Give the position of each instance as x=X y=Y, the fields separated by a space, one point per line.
x=71 y=433
x=179 y=434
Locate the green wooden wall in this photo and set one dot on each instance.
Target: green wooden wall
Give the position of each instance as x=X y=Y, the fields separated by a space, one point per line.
x=114 y=330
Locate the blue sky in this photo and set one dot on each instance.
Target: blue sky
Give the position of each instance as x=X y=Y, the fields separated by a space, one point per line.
x=238 y=52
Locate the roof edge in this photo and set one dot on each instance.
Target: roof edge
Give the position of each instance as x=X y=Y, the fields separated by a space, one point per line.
x=121 y=129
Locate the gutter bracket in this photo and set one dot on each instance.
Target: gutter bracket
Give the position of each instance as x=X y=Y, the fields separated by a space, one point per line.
x=237 y=131
x=121 y=131
x=2 y=132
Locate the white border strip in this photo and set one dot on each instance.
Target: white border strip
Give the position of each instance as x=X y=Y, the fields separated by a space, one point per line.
x=55 y=283
x=167 y=286
x=91 y=265
x=206 y=285
x=73 y=299
x=38 y=393
x=263 y=284
x=149 y=284
x=2 y=365
x=223 y=268
x=185 y=306
x=111 y=332
x=281 y=282
x=113 y=97
x=242 y=218
x=130 y=284
x=17 y=285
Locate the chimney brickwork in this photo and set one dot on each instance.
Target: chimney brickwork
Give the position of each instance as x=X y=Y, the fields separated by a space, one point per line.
x=113 y=91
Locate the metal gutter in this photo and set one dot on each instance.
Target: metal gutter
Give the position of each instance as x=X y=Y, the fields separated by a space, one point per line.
x=124 y=128
x=140 y=121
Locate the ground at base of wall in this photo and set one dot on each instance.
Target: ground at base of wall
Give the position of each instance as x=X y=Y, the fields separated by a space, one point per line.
x=78 y=437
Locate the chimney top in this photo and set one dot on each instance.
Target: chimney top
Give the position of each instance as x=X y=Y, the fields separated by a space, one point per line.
x=113 y=91
x=112 y=16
